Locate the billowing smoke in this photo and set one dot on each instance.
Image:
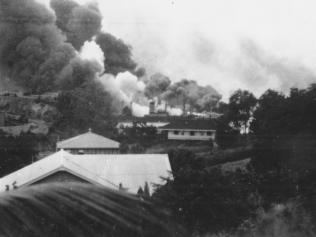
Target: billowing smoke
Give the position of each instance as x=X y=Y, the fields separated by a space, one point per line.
x=190 y=96
x=126 y=90
x=92 y=52
x=186 y=94
x=77 y=73
x=156 y=85
x=118 y=55
x=260 y=68
x=78 y=22
x=62 y=49
x=34 y=52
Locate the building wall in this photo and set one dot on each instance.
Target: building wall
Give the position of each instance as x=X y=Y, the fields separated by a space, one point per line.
x=191 y=135
x=61 y=176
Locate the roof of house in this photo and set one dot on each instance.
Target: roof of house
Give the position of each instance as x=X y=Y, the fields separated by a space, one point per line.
x=130 y=170
x=88 y=140
x=194 y=124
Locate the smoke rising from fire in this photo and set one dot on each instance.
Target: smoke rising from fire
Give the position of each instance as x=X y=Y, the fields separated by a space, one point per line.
x=126 y=89
x=63 y=48
x=92 y=52
x=187 y=93
x=156 y=85
x=118 y=55
x=78 y=22
x=38 y=49
x=35 y=53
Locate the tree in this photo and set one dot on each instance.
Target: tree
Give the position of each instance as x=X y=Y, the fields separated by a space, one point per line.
x=284 y=130
x=183 y=158
x=240 y=107
x=16 y=152
x=144 y=136
x=226 y=136
x=208 y=202
x=269 y=116
x=85 y=107
x=127 y=112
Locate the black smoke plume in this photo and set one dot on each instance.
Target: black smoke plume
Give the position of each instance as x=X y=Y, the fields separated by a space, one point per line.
x=78 y=22
x=156 y=85
x=118 y=55
x=33 y=51
x=261 y=66
x=191 y=96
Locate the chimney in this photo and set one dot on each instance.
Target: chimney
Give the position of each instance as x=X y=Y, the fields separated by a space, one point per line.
x=131 y=107
x=152 y=107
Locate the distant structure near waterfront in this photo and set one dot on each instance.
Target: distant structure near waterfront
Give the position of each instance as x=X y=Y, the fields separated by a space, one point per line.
x=89 y=143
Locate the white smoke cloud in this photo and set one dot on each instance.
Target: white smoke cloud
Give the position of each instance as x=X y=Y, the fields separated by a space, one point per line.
x=129 y=84
x=139 y=110
x=125 y=87
x=173 y=111
x=91 y=51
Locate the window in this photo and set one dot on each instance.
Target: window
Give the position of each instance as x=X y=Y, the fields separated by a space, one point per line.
x=176 y=132
x=192 y=133
x=209 y=133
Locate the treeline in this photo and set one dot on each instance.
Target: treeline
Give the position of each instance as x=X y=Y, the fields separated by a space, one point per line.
x=282 y=131
x=16 y=152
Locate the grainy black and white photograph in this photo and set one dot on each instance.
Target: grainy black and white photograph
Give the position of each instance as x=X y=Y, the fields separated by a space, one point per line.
x=157 y=118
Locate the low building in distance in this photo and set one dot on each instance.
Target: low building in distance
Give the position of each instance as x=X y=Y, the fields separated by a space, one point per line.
x=146 y=121
x=190 y=129
x=89 y=143
x=128 y=172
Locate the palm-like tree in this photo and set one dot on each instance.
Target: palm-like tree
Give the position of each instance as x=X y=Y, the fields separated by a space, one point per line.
x=75 y=209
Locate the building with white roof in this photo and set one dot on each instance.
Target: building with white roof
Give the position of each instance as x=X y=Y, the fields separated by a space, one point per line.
x=89 y=143
x=190 y=130
x=127 y=171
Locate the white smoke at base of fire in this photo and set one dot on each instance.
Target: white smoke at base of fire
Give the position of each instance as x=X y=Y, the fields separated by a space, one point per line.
x=161 y=105
x=125 y=87
x=91 y=51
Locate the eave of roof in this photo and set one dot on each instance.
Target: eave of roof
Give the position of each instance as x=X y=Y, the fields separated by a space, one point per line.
x=88 y=140
x=106 y=170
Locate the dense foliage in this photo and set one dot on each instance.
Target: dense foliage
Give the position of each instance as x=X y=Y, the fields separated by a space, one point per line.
x=136 y=138
x=85 y=107
x=205 y=199
x=285 y=130
x=16 y=152
x=282 y=131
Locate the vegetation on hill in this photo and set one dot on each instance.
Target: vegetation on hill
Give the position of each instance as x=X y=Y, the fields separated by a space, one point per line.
x=16 y=152
x=275 y=196
x=276 y=132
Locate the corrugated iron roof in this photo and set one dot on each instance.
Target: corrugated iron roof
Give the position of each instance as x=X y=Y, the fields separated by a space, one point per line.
x=88 y=140
x=130 y=170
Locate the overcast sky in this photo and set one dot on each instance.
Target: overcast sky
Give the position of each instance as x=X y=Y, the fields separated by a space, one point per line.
x=247 y=44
